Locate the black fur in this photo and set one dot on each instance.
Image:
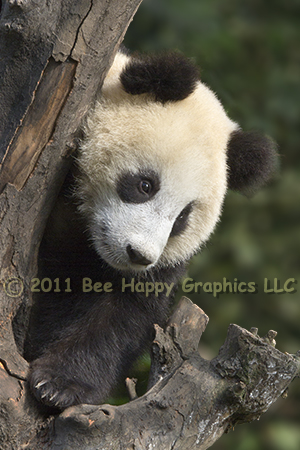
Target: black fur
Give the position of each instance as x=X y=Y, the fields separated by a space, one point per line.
x=129 y=186
x=169 y=77
x=251 y=160
x=82 y=344
x=181 y=221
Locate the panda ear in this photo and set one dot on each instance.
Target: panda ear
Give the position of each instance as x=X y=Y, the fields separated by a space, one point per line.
x=168 y=77
x=251 y=160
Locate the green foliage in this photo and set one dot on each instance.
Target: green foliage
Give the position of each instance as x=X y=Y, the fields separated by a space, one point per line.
x=248 y=52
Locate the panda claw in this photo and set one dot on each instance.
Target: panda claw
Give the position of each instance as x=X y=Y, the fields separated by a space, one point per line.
x=53 y=390
x=44 y=395
x=40 y=384
x=53 y=397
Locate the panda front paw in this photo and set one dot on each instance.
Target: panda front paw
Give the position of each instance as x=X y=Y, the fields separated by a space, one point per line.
x=54 y=389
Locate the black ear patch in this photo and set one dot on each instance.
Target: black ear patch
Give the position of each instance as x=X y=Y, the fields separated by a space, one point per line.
x=169 y=77
x=251 y=160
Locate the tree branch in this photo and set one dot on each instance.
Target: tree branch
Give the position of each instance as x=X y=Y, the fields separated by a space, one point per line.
x=194 y=400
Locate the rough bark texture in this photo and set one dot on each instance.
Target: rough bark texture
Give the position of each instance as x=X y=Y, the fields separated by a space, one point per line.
x=193 y=401
x=54 y=55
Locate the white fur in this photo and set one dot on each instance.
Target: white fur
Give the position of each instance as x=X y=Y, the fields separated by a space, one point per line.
x=184 y=142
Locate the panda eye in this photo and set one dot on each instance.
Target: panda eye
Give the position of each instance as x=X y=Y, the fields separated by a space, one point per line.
x=181 y=221
x=145 y=187
x=138 y=187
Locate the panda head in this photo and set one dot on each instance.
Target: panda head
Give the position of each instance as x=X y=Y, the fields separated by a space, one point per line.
x=158 y=155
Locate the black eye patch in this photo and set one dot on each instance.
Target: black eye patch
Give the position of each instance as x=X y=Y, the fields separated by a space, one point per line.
x=181 y=221
x=138 y=187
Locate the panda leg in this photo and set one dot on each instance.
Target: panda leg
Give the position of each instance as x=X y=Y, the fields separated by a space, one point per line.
x=54 y=389
x=90 y=357
x=61 y=381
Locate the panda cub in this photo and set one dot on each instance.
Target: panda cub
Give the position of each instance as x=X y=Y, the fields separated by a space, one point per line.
x=157 y=157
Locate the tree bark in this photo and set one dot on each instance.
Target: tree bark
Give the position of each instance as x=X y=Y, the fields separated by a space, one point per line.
x=191 y=402
x=54 y=55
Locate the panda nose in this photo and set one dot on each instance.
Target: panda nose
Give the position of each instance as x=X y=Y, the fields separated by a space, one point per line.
x=136 y=257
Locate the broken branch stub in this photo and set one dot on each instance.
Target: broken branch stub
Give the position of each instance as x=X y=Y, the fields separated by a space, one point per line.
x=261 y=373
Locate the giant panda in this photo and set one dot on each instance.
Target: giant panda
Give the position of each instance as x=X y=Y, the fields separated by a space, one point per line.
x=157 y=157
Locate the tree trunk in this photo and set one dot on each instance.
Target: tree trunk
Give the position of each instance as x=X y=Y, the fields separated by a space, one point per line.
x=54 y=55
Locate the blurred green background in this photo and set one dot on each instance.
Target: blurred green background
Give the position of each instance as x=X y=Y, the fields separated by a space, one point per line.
x=249 y=54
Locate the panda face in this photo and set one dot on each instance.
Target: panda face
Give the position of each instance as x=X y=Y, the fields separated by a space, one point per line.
x=154 y=163
x=153 y=174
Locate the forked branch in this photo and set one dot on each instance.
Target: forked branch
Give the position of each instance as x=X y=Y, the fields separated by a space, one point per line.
x=192 y=401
